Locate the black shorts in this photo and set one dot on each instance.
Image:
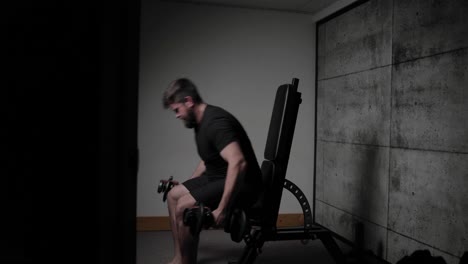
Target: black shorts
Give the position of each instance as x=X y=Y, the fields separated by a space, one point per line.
x=206 y=190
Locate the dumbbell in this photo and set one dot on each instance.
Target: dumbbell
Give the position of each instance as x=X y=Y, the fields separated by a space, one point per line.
x=198 y=217
x=237 y=224
x=165 y=186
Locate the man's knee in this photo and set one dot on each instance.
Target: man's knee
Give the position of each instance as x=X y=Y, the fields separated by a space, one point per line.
x=186 y=201
x=177 y=192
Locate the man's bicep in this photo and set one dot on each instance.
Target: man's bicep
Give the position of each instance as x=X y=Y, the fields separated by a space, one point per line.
x=232 y=152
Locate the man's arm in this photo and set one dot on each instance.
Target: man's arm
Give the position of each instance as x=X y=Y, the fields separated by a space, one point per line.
x=199 y=170
x=233 y=155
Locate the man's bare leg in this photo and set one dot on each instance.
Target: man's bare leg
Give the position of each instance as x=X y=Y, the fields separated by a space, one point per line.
x=188 y=244
x=172 y=199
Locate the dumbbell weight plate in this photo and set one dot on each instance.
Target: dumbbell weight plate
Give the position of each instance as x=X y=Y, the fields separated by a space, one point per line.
x=238 y=225
x=161 y=186
x=187 y=216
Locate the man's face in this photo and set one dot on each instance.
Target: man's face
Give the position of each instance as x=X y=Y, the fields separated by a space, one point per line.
x=182 y=111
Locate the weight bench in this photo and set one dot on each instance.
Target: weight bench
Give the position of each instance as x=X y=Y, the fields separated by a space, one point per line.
x=262 y=217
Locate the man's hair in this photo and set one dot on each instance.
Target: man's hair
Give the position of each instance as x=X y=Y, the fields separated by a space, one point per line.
x=178 y=90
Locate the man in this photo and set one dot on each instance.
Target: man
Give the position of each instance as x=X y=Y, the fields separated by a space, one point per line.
x=228 y=165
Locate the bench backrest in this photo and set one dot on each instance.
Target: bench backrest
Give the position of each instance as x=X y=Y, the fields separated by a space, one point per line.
x=277 y=150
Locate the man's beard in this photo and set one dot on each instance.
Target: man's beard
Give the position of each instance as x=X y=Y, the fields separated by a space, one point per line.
x=191 y=120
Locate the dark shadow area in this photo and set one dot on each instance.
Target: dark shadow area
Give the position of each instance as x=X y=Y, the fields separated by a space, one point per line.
x=216 y=247
x=68 y=186
x=422 y=257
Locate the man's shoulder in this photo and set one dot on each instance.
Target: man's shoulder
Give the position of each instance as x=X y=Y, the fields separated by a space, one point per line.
x=216 y=109
x=214 y=112
x=216 y=117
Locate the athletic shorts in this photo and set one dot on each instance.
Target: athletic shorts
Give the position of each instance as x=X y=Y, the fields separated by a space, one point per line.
x=206 y=190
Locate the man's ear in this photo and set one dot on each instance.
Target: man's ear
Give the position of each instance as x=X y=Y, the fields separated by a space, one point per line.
x=188 y=101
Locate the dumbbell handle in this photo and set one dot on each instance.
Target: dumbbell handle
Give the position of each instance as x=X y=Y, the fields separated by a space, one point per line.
x=165 y=186
x=170 y=180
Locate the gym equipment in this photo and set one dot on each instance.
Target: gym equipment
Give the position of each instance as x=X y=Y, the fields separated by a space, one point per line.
x=260 y=220
x=237 y=225
x=165 y=186
x=198 y=217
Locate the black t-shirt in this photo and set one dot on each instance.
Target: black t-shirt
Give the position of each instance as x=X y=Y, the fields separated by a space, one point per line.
x=217 y=129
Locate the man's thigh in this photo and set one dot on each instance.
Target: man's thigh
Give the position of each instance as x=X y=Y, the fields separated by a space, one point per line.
x=206 y=191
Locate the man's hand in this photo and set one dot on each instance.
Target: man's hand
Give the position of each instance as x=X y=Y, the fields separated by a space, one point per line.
x=218 y=216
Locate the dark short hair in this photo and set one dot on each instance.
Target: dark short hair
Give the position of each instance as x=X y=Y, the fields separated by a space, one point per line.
x=178 y=90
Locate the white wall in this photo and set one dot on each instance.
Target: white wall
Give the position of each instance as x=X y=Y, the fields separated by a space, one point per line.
x=237 y=57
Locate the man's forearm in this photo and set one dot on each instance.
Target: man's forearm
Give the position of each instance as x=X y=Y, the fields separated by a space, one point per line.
x=231 y=178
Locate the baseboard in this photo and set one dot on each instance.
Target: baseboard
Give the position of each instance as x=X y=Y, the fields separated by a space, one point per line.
x=153 y=223
x=289 y=220
x=161 y=223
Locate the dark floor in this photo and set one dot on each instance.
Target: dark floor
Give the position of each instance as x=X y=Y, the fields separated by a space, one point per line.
x=216 y=247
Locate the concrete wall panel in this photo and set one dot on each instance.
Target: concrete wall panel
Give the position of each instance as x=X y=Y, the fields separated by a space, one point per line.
x=356 y=108
x=358 y=40
x=354 y=179
x=346 y=225
x=423 y=28
x=319 y=174
x=400 y=246
x=430 y=105
x=428 y=199
x=392 y=128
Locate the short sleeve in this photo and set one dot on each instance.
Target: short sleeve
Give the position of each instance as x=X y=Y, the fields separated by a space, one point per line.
x=222 y=133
